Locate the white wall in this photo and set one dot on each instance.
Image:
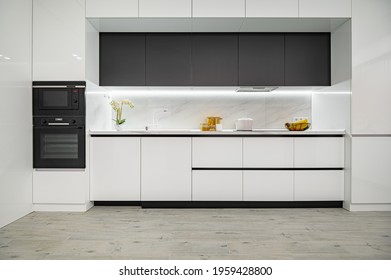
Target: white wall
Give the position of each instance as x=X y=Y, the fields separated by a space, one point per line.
x=15 y=110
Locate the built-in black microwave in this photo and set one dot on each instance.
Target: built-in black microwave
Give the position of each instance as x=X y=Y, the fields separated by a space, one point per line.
x=59 y=98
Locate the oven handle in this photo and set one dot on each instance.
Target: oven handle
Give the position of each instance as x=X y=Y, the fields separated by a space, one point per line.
x=58 y=123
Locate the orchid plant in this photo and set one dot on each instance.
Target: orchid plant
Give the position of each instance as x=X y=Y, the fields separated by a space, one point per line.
x=117 y=107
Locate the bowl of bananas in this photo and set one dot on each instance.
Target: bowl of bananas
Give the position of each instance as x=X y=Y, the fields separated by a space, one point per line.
x=298 y=126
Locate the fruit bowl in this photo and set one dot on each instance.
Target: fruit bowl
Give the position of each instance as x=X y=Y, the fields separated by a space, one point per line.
x=297 y=126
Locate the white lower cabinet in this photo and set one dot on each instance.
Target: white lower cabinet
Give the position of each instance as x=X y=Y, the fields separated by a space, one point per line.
x=371 y=170
x=217 y=185
x=115 y=169
x=268 y=185
x=166 y=168
x=318 y=185
x=60 y=187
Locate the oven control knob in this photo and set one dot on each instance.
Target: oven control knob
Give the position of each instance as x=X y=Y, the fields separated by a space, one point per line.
x=44 y=121
x=73 y=121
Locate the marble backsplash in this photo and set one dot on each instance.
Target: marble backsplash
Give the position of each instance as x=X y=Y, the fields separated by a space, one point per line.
x=187 y=109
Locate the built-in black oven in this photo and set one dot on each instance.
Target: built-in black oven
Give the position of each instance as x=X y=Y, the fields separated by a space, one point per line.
x=59 y=142
x=59 y=98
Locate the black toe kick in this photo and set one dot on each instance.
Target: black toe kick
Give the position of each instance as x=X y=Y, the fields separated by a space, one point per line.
x=223 y=204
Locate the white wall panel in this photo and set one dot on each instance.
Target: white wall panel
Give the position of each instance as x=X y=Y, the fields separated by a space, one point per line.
x=272 y=8
x=219 y=8
x=111 y=8
x=15 y=110
x=325 y=8
x=166 y=8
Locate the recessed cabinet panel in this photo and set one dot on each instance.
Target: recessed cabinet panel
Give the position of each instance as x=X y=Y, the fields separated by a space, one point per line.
x=217 y=152
x=307 y=59
x=215 y=59
x=122 y=59
x=268 y=185
x=217 y=185
x=166 y=168
x=115 y=168
x=269 y=152
x=322 y=152
x=317 y=185
x=168 y=59
x=261 y=59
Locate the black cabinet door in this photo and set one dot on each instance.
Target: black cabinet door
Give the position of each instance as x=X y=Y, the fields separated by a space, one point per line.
x=307 y=59
x=168 y=59
x=122 y=59
x=261 y=59
x=215 y=59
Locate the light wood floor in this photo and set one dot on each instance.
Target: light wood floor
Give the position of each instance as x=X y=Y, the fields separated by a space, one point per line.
x=134 y=233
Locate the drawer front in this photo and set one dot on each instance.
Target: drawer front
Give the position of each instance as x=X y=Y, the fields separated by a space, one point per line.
x=318 y=185
x=272 y=185
x=217 y=185
x=315 y=152
x=217 y=152
x=268 y=152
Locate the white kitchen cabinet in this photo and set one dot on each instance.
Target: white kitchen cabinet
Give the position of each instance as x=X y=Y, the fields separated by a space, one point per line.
x=371 y=170
x=115 y=168
x=268 y=152
x=58 y=40
x=217 y=185
x=371 y=67
x=323 y=152
x=166 y=168
x=272 y=8
x=111 y=8
x=166 y=8
x=60 y=187
x=218 y=8
x=325 y=8
x=318 y=185
x=268 y=185
x=217 y=152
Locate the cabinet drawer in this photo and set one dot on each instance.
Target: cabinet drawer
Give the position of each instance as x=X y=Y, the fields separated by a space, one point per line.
x=319 y=152
x=217 y=152
x=268 y=185
x=327 y=185
x=217 y=185
x=268 y=152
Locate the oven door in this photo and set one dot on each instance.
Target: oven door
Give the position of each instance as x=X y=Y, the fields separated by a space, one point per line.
x=59 y=147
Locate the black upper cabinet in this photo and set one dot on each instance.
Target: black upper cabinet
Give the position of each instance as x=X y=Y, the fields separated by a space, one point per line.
x=122 y=59
x=261 y=59
x=307 y=59
x=215 y=59
x=168 y=59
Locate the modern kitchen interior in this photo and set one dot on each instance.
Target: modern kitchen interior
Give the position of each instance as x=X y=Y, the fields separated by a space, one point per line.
x=195 y=129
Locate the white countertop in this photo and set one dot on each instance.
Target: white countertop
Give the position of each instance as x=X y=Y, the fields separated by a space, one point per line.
x=225 y=132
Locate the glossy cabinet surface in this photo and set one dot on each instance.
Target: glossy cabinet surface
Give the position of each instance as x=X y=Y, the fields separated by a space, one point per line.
x=115 y=168
x=60 y=187
x=166 y=8
x=272 y=8
x=268 y=185
x=371 y=72
x=371 y=174
x=268 y=152
x=58 y=40
x=168 y=59
x=316 y=185
x=217 y=152
x=122 y=59
x=327 y=152
x=261 y=59
x=214 y=59
x=166 y=168
x=112 y=8
x=219 y=8
x=325 y=8
x=307 y=59
x=217 y=185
